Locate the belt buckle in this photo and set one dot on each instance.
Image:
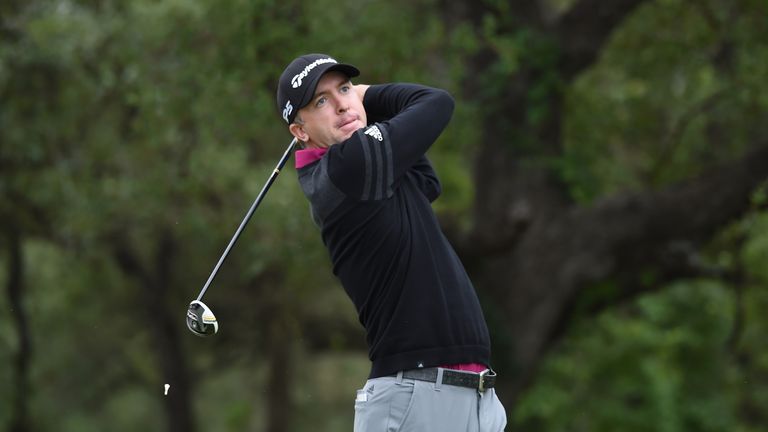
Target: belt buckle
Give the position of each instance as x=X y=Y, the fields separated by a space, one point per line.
x=481 y=383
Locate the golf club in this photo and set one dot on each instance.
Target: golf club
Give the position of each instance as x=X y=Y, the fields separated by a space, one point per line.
x=200 y=319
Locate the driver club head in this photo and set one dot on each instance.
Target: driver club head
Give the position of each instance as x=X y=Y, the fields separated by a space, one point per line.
x=201 y=320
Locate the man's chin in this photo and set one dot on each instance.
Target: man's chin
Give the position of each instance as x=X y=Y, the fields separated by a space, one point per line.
x=348 y=130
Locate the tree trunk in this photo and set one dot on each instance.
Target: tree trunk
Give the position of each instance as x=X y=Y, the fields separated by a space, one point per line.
x=162 y=326
x=23 y=357
x=178 y=404
x=280 y=338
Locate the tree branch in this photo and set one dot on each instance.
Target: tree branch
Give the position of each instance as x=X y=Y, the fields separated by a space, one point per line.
x=585 y=28
x=530 y=12
x=671 y=141
x=535 y=284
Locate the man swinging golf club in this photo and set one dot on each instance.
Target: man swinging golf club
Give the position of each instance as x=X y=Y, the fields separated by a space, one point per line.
x=364 y=171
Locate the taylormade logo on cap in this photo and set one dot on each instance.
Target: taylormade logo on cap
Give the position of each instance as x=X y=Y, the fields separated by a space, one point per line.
x=297 y=79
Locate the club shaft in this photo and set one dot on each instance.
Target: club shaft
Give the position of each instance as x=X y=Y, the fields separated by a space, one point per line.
x=248 y=215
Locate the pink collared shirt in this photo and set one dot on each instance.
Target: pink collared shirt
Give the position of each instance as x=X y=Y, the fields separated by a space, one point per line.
x=305 y=157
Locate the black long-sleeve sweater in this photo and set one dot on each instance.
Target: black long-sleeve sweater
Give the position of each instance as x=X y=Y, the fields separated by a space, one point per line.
x=370 y=195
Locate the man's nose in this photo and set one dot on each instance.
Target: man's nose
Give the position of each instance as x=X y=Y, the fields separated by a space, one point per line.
x=341 y=105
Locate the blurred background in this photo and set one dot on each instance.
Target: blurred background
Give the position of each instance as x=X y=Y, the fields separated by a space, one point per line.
x=604 y=182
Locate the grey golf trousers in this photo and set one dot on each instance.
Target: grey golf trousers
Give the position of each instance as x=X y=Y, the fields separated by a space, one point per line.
x=394 y=404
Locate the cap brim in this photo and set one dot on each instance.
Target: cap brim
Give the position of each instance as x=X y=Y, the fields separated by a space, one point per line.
x=346 y=69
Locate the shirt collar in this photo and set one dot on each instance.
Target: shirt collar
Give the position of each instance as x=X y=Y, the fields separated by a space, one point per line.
x=307 y=156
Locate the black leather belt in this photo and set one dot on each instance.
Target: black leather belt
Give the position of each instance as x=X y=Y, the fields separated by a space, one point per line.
x=479 y=381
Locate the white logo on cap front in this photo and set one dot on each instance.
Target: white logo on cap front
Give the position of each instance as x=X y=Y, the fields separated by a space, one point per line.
x=297 y=79
x=287 y=110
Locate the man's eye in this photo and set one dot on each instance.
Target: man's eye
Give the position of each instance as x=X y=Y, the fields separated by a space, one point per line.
x=344 y=89
x=320 y=101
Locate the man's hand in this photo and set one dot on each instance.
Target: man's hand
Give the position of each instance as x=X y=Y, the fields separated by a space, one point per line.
x=360 y=90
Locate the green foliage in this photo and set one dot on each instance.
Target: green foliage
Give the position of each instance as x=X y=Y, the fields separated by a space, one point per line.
x=646 y=115
x=657 y=364
x=755 y=252
x=689 y=357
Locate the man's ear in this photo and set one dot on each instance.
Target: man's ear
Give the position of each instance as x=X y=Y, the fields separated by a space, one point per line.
x=298 y=131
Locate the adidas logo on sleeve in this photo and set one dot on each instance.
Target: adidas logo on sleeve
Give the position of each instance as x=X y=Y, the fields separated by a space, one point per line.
x=374 y=132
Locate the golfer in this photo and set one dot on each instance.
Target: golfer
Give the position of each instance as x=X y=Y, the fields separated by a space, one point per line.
x=364 y=171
